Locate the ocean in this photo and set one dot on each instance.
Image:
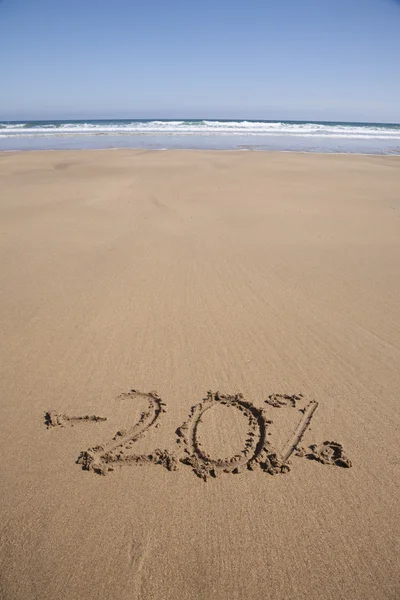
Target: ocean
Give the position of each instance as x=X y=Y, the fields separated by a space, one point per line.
x=159 y=134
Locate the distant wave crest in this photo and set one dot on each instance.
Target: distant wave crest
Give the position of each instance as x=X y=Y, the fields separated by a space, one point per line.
x=200 y=127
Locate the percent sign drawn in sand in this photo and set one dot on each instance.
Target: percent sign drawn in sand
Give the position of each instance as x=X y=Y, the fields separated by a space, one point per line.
x=257 y=453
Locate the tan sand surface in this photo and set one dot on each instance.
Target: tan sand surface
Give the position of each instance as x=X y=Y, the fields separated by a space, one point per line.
x=184 y=272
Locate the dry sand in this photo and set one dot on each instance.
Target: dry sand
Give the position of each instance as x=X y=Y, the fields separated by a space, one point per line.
x=182 y=272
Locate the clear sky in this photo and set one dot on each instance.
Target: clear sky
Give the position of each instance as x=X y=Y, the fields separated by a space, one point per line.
x=268 y=59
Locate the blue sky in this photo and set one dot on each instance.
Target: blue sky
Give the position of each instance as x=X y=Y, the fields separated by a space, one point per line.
x=270 y=59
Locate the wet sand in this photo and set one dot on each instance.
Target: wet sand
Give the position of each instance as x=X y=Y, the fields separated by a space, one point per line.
x=272 y=279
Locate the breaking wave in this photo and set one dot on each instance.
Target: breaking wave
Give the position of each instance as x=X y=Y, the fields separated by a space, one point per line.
x=201 y=127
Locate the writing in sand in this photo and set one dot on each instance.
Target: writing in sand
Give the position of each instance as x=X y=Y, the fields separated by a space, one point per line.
x=257 y=452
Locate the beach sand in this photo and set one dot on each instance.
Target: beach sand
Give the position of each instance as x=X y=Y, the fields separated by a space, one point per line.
x=184 y=272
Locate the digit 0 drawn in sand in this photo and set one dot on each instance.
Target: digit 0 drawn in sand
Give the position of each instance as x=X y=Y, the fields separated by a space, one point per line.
x=257 y=451
x=102 y=459
x=55 y=419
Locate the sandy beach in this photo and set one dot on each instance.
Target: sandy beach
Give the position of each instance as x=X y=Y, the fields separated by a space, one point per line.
x=270 y=278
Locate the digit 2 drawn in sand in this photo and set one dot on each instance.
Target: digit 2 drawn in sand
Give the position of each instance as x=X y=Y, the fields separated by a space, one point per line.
x=257 y=452
x=103 y=458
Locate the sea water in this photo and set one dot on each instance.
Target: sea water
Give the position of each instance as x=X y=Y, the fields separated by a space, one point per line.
x=300 y=136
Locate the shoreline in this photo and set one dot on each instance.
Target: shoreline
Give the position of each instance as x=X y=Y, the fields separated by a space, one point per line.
x=200 y=150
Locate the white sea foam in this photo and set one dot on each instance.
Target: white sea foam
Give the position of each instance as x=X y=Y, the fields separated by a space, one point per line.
x=206 y=127
x=12 y=125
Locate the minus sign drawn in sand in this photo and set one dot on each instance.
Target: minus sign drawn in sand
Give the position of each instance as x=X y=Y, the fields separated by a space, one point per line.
x=257 y=452
x=55 y=419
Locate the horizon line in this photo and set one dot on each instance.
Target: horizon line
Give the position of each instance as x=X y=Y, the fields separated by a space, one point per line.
x=318 y=121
